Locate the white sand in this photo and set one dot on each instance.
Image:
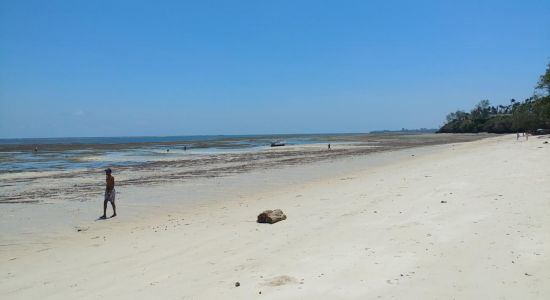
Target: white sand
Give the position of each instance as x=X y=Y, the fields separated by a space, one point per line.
x=358 y=228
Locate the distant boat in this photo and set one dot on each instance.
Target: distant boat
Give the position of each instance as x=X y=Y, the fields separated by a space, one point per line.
x=277 y=144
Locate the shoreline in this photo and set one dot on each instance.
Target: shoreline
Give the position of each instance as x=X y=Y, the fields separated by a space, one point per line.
x=357 y=227
x=73 y=184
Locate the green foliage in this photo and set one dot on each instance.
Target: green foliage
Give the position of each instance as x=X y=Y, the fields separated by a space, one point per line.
x=498 y=124
x=544 y=80
x=458 y=115
x=481 y=110
x=530 y=115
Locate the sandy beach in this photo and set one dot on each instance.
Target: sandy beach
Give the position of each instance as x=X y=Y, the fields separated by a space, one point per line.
x=465 y=220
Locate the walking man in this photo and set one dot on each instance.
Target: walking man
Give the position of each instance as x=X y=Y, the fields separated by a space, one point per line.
x=109 y=194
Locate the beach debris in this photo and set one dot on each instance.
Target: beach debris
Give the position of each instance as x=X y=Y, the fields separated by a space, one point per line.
x=545 y=142
x=443 y=201
x=271 y=216
x=79 y=229
x=237 y=284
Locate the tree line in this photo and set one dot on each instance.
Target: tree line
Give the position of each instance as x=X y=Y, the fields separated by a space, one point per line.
x=527 y=116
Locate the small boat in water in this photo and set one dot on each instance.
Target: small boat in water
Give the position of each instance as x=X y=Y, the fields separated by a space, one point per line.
x=277 y=144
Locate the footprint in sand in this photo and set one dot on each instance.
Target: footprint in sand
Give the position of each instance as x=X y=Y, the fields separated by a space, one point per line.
x=282 y=280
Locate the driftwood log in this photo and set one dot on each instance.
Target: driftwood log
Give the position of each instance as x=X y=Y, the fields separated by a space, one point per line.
x=271 y=216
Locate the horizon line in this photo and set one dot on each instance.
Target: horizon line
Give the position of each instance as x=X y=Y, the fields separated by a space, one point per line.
x=197 y=135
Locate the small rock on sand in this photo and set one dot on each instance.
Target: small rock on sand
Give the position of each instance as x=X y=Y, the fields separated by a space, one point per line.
x=237 y=284
x=443 y=201
x=271 y=216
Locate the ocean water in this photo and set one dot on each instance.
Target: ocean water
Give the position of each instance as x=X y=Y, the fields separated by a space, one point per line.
x=19 y=155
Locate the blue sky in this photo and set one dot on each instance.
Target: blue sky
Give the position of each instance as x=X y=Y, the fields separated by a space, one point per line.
x=120 y=68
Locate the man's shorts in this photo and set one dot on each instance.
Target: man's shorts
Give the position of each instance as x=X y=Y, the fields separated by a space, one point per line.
x=110 y=195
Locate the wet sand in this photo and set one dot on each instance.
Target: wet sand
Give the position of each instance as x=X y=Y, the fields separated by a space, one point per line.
x=82 y=184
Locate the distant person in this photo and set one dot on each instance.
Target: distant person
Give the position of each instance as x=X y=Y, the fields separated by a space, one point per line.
x=110 y=194
x=167 y=150
x=184 y=148
x=526 y=136
x=328 y=146
x=517 y=136
x=35 y=149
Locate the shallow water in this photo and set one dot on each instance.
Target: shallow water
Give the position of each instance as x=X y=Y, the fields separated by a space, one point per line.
x=20 y=155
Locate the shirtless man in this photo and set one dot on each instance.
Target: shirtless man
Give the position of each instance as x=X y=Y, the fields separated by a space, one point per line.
x=109 y=194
